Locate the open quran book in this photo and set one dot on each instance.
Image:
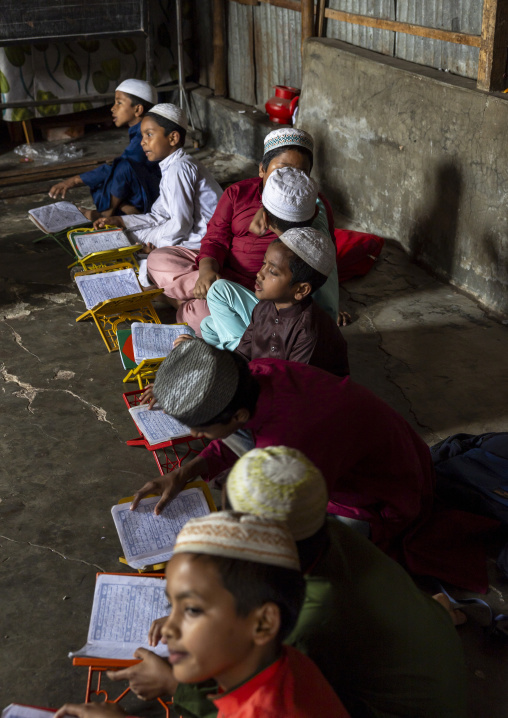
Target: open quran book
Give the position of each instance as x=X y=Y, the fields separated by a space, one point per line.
x=53 y=218
x=97 y=288
x=123 y=610
x=148 y=539
x=85 y=243
x=154 y=341
x=156 y=426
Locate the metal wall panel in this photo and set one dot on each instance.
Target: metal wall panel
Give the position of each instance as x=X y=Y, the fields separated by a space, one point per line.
x=370 y=38
x=456 y=15
x=202 y=32
x=241 y=65
x=277 y=34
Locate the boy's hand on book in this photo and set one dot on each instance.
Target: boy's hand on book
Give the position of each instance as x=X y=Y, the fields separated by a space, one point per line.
x=182 y=338
x=60 y=188
x=148 y=397
x=91 y=710
x=155 y=632
x=169 y=486
x=151 y=678
x=108 y=221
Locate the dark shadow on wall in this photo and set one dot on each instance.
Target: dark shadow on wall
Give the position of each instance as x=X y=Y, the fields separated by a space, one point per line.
x=336 y=195
x=434 y=236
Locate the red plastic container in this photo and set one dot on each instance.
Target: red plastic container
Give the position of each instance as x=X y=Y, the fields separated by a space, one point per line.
x=280 y=108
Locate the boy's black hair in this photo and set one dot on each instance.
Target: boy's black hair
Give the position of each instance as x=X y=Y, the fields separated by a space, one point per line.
x=284 y=224
x=169 y=126
x=303 y=272
x=272 y=154
x=147 y=106
x=245 y=397
x=254 y=584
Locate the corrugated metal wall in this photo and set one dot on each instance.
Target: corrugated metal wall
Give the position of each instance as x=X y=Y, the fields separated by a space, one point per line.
x=264 y=40
x=456 y=15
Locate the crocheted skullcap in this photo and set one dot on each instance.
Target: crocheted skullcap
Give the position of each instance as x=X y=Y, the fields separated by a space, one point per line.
x=289 y=194
x=288 y=136
x=280 y=484
x=171 y=112
x=196 y=382
x=312 y=246
x=241 y=536
x=139 y=88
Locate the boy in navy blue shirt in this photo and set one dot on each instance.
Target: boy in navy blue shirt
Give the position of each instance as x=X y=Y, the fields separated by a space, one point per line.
x=130 y=185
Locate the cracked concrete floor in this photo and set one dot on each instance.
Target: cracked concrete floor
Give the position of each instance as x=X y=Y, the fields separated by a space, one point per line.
x=427 y=350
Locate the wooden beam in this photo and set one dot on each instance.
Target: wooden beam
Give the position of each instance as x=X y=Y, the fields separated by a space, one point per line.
x=493 y=58
x=34 y=174
x=434 y=33
x=219 y=48
x=320 y=18
x=307 y=10
x=286 y=4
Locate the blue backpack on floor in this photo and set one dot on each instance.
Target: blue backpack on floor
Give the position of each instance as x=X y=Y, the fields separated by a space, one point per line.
x=472 y=475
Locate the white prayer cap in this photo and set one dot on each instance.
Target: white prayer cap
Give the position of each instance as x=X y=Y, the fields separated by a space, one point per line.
x=280 y=484
x=240 y=536
x=313 y=247
x=289 y=194
x=171 y=112
x=288 y=136
x=139 y=88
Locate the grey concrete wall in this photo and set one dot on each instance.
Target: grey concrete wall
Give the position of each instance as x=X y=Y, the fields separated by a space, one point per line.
x=230 y=126
x=415 y=155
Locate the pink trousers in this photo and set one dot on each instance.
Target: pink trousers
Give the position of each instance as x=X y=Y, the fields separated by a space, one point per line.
x=174 y=270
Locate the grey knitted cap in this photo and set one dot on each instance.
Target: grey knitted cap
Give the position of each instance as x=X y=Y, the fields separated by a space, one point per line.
x=312 y=246
x=196 y=382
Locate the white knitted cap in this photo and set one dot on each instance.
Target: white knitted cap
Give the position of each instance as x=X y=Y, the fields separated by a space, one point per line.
x=171 y=112
x=241 y=536
x=313 y=247
x=287 y=136
x=280 y=484
x=139 y=88
x=289 y=194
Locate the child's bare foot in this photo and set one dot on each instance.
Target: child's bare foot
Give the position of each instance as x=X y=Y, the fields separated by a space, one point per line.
x=90 y=214
x=458 y=617
x=344 y=319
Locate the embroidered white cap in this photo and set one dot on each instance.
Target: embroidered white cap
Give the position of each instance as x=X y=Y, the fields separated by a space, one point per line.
x=240 y=536
x=287 y=136
x=139 y=88
x=289 y=194
x=171 y=112
x=280 y=484
x=313 y=247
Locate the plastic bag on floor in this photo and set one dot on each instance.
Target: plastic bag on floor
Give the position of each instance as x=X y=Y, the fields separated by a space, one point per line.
x=45 y=153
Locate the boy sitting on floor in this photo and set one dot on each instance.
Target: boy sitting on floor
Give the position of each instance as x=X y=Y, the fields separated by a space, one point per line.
x=131 y=183
x=188 y=191
x=286 y=322
x=235 y=590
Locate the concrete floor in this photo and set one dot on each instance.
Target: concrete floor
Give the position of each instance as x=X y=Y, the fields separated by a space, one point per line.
x=427 y=350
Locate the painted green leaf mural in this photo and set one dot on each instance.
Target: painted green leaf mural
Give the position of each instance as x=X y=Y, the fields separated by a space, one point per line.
x=71 y=68
x=41 y=46
x=100 y=81
x=89 y=45
x=47 y=110
x=27 y=49
x=125 y=45
x=19 y=114
x=112 y=68
x=81 y=106
x=15 y=55
x=4 y=83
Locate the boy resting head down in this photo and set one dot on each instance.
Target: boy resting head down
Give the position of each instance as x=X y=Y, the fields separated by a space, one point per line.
x=235 y=588
x=131 y=183
x=289 y=202
x=281 y=320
